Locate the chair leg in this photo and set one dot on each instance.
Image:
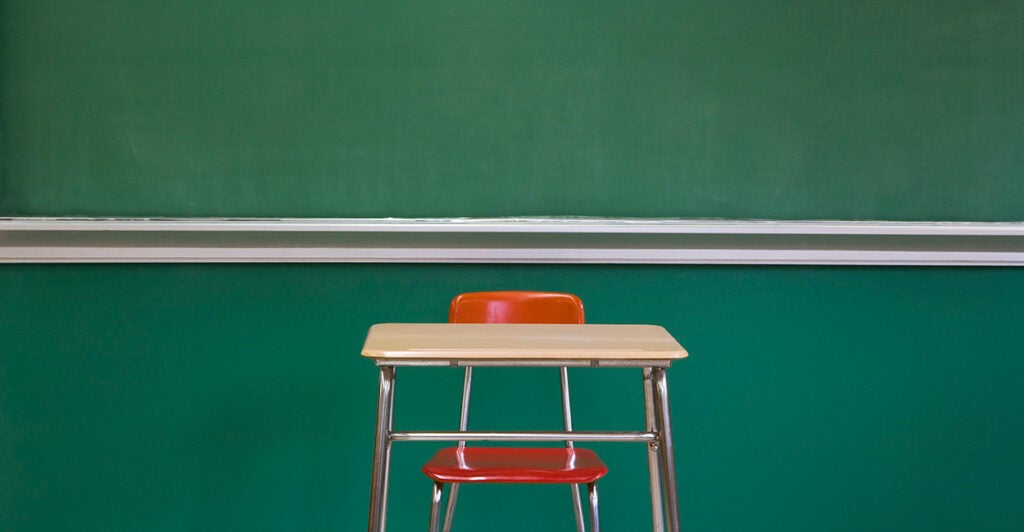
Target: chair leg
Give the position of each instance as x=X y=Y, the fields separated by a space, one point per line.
x=449 y=513
x=435 y=507
x=595 y=522
x=577 y=508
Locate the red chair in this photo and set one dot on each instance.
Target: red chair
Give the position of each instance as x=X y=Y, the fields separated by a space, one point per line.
x=461 y=464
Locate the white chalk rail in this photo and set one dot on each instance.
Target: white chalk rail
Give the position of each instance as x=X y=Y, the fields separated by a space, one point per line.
x=512 y=240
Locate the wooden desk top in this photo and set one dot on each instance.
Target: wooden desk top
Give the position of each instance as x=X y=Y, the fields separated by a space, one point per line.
x=390 y=343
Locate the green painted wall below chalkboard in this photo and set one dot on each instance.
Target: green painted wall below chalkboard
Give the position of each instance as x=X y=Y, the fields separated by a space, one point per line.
x=233 y=397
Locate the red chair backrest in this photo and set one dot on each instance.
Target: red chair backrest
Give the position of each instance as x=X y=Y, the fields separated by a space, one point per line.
x=515 y=307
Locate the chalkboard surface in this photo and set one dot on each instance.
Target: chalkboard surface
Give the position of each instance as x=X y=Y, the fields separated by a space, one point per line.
x=891 y=109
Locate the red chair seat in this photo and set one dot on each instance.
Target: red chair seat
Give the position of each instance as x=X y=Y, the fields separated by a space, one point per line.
x=515 y=465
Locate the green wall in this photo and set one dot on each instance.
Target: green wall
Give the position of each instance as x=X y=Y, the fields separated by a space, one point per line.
x=791 y=109
x=233 y=397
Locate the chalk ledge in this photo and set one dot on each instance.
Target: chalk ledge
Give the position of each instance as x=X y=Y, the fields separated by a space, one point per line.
x=512 y=240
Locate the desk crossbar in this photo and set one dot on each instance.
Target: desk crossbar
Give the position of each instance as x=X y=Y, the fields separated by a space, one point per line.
x=525 y=436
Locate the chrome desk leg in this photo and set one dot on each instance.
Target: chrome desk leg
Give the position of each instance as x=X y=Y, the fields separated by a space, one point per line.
x=382 y=450
x=595 y=521
x=668 y=463
x=435 y=507
x=577 y=504
x=653 y=467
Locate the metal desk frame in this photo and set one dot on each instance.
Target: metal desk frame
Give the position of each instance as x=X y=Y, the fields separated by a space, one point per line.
x=658 y=422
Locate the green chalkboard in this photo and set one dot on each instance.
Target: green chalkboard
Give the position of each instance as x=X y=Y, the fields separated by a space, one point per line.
x=882 y=109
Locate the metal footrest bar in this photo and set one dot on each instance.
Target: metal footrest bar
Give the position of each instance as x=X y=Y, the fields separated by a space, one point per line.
x=525 y=436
